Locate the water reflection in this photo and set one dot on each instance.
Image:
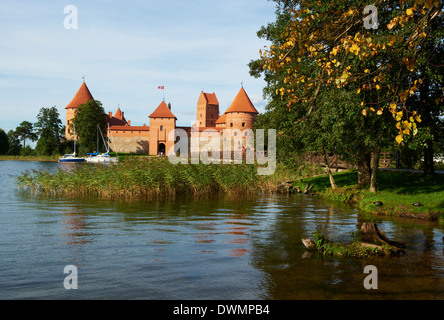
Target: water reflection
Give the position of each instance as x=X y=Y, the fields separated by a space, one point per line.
x=221 y=248
x=74 y=225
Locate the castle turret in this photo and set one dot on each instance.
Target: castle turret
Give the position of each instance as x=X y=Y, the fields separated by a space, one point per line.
x=82 y=96
x=241 y=113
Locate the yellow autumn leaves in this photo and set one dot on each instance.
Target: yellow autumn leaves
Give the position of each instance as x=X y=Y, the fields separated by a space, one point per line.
x=406 y=127
x=315 y=56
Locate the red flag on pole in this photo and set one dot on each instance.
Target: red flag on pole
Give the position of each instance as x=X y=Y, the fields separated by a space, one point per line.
x=160 y=87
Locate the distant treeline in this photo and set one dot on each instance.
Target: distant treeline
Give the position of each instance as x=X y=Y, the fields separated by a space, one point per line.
x=47 y=131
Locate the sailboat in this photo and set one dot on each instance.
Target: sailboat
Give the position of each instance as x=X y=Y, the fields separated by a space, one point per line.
x=71 y=157
x=103 y=157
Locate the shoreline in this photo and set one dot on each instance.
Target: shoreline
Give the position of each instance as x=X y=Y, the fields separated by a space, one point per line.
x=398 y=191
x=28 y=158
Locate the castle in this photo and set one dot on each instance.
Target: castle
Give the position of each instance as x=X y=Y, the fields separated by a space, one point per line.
x=153 y=138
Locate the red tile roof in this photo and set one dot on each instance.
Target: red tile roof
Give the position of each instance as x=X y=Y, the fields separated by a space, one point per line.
x=211 y=98
x=162 y=111
x=207 y=129
x=117 y=120
x=82 y=96
x=222 y=119
x=119 y=115
x=130 y=128
x=242 y=103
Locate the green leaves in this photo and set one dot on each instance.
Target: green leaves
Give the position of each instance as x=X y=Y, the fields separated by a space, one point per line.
x=48 y=128
x=87 y=117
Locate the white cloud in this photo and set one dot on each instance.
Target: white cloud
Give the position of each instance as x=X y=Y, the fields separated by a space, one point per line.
x=125 y=50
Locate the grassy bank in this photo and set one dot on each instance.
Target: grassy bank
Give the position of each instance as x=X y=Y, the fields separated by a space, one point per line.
x=29 y=158
x=153 y=178
x=396 y=190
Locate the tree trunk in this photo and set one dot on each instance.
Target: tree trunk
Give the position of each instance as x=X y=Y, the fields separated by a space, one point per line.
x=428 y=158
x=375 y=169
x=364 y=170
x=371 y=234
x=327 y=167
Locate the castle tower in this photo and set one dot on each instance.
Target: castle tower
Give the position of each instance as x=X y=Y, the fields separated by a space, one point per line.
x=162 y=122
x=82 y=96
x=207 y=110
x=241 y=113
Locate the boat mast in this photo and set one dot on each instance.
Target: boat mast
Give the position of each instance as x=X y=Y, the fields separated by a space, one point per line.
x=74 y=126
x=107 y=139
x=98 y=129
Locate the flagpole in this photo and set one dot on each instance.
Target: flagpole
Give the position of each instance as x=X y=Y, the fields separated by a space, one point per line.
x=163 y=91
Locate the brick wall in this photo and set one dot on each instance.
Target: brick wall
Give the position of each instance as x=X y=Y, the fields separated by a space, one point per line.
x=131 y=144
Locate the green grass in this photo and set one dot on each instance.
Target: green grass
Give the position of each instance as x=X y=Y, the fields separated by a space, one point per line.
x=397 y=190
x=352 y=249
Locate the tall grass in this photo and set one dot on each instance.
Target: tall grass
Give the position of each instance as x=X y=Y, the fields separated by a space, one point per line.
x=29 y=158
x=154 y=178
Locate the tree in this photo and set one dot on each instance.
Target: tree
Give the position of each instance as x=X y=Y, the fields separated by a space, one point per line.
x=4 y=142
x=88 y=117
x=14 y=144
x=326 y=48
x=429 y=100
x=48 y=129
x=26 y=131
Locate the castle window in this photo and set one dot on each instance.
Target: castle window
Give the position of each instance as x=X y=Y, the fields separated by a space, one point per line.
x=161 y=128
x=231 y=124
x=243 y=124
x=246 y=133
x=235 y=134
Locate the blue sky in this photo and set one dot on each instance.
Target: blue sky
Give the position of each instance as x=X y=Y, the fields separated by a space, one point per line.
x=126 y=49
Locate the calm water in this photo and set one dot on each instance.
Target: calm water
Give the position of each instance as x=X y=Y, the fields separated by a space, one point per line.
x=217 y=249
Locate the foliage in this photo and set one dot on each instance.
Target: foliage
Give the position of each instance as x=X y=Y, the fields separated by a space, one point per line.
x=26 y=131
x=88 y=117
x=4 y=142
x=353 y=249
x=336 y=86
x=14 y=143
x=27 y=151
x=48 y=129
x=326 y=45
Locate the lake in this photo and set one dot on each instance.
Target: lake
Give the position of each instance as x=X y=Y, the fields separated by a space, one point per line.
x=219 y=248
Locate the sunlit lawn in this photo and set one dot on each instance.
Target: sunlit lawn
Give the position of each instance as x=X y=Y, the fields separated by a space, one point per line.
x=397 y=191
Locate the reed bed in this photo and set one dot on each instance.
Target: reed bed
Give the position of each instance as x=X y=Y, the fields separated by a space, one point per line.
x=29 y=158
x=148 y=179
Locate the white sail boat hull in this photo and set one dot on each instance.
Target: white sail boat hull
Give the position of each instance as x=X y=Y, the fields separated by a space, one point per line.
x=71 y=158
x=103 y=157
